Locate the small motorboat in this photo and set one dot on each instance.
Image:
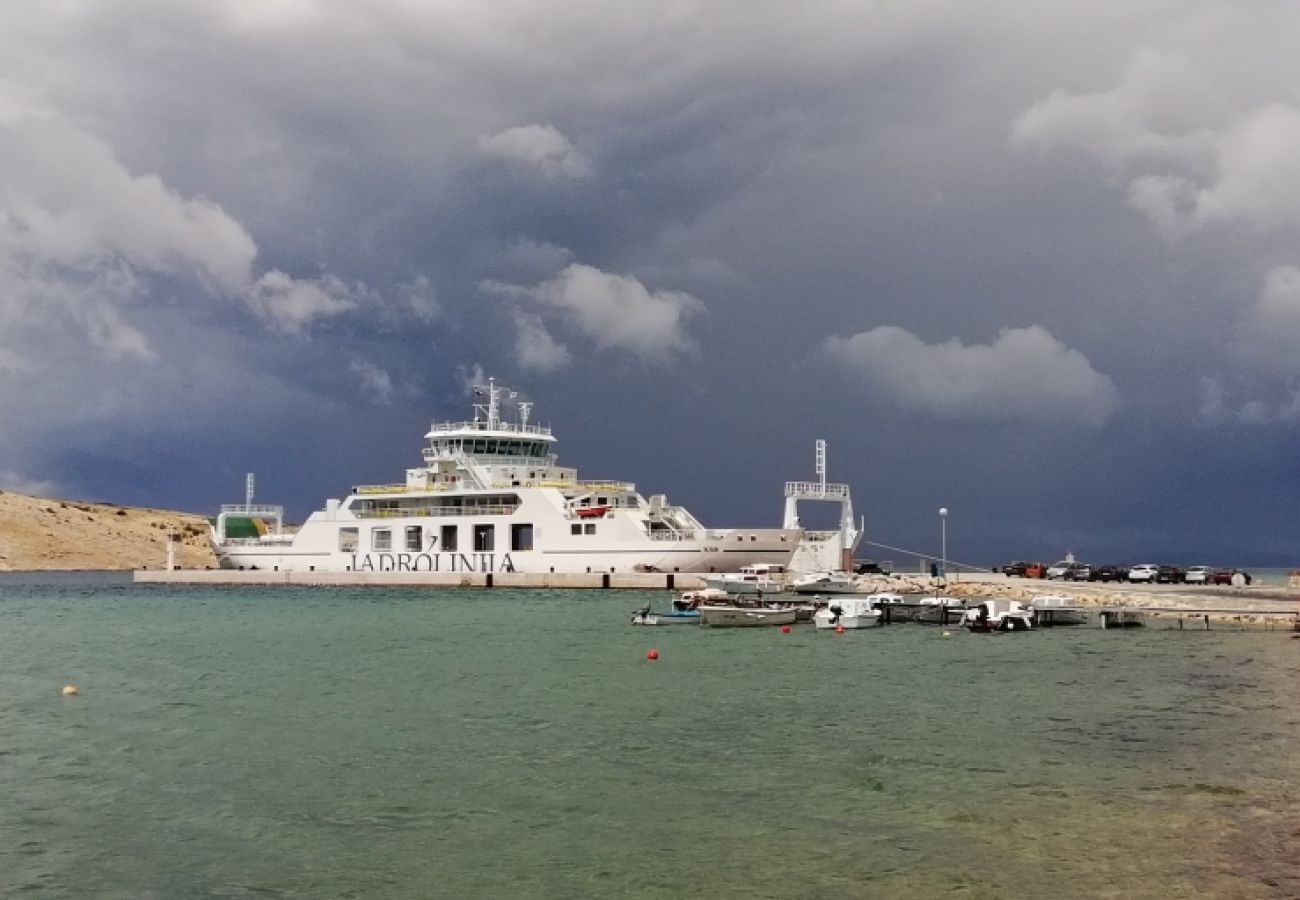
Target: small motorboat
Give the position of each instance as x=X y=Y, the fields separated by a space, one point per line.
x=744 y=616
x=940 y=609
x=990 y=616
x=900 y=610
x=760 y=578
x=591 y=512
x=646 y=616
x=1057 y=609
x=824 y=583
x=847 y=612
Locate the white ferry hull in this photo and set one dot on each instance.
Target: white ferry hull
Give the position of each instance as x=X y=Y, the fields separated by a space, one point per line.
x=773 y=546
x=491 y=498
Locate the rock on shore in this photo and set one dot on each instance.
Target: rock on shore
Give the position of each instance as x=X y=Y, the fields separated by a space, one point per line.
x=41 y=534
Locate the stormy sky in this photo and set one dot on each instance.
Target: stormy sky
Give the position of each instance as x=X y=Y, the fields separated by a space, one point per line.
x=1038 y=263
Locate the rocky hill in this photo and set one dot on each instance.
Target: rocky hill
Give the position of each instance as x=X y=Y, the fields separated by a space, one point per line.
x=42 y=534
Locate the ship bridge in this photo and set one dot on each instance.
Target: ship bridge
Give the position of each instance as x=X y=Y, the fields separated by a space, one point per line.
x=821 y=551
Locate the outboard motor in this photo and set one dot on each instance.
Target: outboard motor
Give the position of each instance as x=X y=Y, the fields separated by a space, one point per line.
x=836 y=612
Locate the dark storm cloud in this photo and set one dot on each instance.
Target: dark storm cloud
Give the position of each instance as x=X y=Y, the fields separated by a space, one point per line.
x=1026 y=263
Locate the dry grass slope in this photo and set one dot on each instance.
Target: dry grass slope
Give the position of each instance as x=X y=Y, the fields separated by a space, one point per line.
x=42 y=534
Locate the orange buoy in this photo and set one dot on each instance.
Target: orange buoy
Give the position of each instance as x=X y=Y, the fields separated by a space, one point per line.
x=652 y=654
x=785 y=629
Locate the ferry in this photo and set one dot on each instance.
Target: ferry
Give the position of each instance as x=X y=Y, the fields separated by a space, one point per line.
x=491 y=497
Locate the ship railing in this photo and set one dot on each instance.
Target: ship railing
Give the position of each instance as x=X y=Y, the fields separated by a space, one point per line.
x=380 y=489
x=268 y=541
x=512 y=427
x=438 y=511
x=252 y=509
x=815 y=490
x=687 y=535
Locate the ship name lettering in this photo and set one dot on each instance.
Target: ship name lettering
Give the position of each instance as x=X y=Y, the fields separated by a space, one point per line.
x=432 y=562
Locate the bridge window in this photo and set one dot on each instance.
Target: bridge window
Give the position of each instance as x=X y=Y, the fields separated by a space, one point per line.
x=484 y=538
x=348 y=540
x=521 y=537
x=449 y=538
x=414 y=538
x=381 y=539
x=575 y=528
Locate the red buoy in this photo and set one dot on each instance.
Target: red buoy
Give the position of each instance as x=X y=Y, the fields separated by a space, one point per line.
x=785 y=629
x=839 y=629
x=652 y=654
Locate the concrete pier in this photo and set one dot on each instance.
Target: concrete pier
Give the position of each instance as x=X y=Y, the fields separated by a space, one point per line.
x=641 y=581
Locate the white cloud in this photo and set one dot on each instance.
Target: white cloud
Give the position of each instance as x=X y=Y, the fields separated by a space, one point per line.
x=1188 y=164
x=617 y=312
x=1026 y=376
x=375 y=382
x=541 y=147
x=291 y=305
x=535 y=348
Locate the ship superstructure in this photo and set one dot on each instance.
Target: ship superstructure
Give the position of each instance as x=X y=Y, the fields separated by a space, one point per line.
x=492 y=496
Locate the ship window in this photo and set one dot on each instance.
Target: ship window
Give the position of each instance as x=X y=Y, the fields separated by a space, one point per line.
x=449 y=538
x=414 y=538
x=348 y=540
x=521 y=537
x=589 y=528
x=492 y=446
x=381 y=539
x=484 y=538
x=575 y=528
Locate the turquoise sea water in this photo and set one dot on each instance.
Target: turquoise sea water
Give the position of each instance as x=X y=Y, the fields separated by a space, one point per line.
x=410 y=744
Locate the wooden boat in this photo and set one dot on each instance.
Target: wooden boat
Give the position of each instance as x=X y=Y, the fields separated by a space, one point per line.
x=745 y=616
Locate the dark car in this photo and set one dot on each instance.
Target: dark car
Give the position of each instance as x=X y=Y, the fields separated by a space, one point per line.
x=870 y=567
x=1109 y=573
x=1169 y=575
x=1015 y=569
x=1079 y=572
x=1224 y=576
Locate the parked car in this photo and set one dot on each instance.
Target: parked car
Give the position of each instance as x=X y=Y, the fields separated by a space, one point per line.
x=870 y=567
x=1015 y=569
x=1169 y=575
x=1144 y=572
x=1036 y=570
x=1058 y=571
x=1080 y=572
x=1198 y=575
x=1109 y=573
x=1224 y=576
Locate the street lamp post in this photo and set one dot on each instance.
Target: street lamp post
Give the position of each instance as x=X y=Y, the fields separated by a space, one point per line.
x=943 y=532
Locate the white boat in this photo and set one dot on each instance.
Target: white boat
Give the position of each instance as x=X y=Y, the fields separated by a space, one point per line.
x=1057 y=609
x=998 y=615
x=848 y=612
x=674 y=617
x=899 y=608
x=940 y=609
x=825 y=583
x=760 y=578
x=733 y=616
x=491 y=497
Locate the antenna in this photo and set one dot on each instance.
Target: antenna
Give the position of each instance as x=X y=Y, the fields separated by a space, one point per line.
x=248 y=490
x=524 y=409
x=821 y=466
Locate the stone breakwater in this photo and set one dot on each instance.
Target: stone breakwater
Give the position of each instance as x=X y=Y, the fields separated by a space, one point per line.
x=1217 y=602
